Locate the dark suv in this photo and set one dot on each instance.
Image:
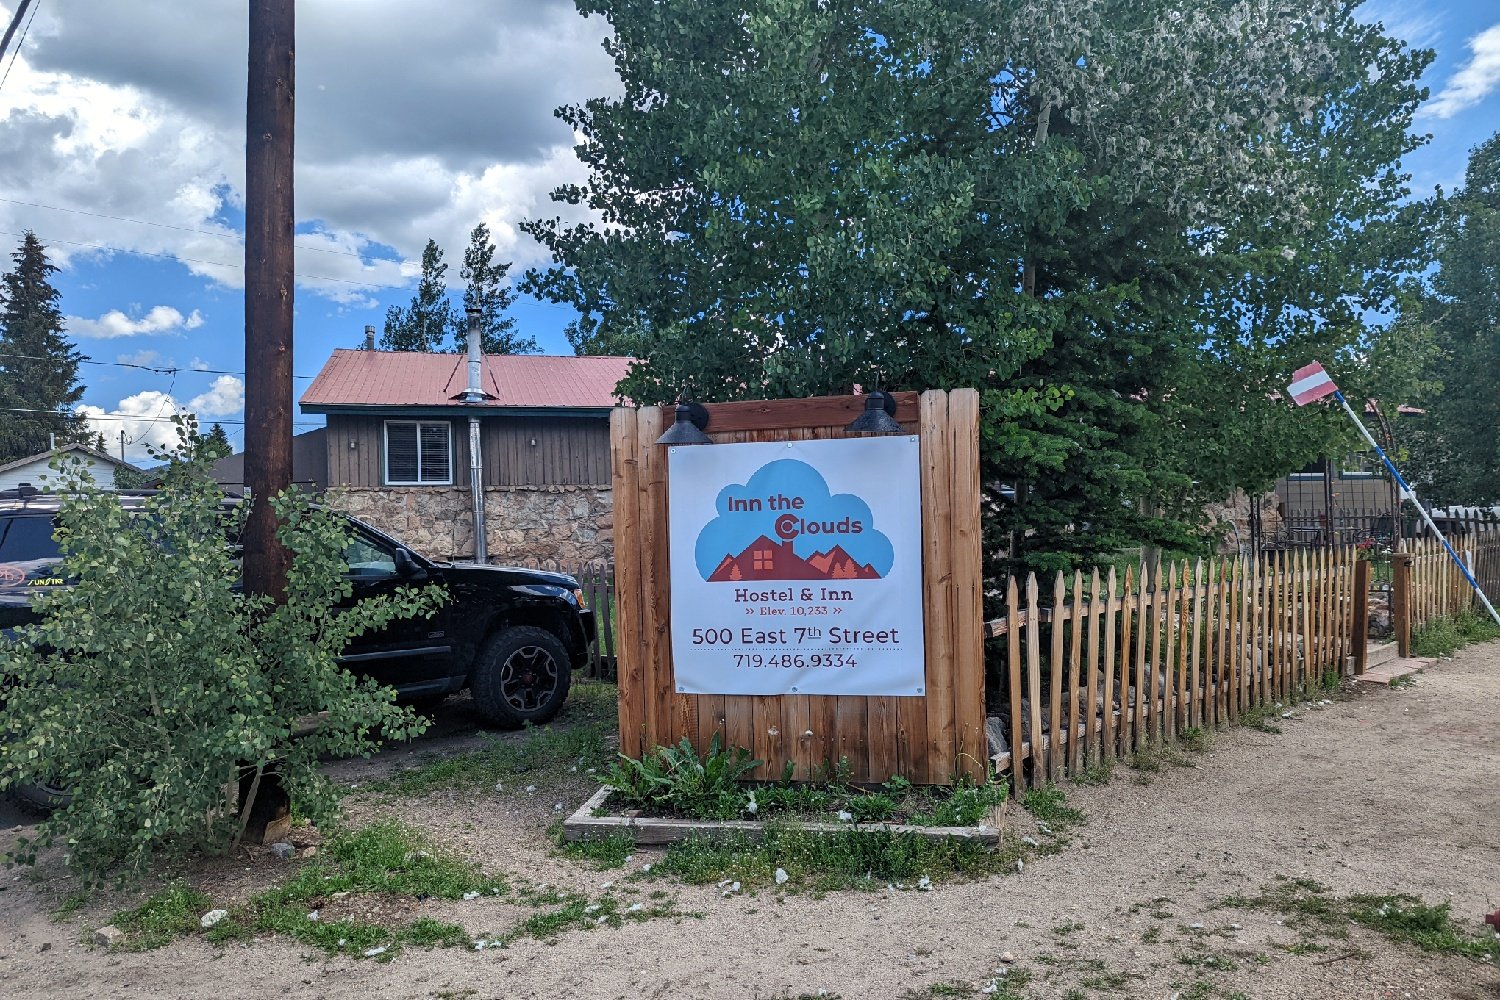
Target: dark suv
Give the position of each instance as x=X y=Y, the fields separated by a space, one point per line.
x=510 y=635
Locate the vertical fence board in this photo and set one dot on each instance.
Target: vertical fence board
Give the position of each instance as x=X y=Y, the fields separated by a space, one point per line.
x=625 y=482
x=1094 y=620
x=937 y=560
x=1108 y=738
x=1013 y=676
x=1195 y=665
x=1034 y=677
x=1077 y=730
x=1056 y=669
x=967 y=582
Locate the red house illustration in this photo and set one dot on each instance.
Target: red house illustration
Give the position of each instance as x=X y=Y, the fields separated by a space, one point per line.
x=764 y=559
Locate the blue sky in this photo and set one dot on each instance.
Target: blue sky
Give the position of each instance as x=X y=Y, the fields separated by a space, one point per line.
x=121 y=127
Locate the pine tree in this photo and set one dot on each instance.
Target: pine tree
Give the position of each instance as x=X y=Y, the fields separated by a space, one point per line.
x=38 y=365
x=424 y=325
x=487 y=290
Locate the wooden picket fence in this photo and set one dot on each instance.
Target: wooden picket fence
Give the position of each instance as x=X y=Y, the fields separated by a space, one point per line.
x=1428 y=585
x=1126 y=663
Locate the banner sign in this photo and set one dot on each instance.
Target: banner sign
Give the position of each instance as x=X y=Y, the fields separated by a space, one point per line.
x=797 y=567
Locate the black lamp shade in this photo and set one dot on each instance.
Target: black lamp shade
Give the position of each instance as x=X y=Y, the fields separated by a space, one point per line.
x=878 y=418
x=687 y=428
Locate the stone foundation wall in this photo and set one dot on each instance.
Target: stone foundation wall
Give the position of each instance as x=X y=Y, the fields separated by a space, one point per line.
x=565 y=525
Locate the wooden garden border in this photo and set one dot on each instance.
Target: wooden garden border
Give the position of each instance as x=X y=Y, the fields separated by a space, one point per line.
x=583 y=825
x=929 y=740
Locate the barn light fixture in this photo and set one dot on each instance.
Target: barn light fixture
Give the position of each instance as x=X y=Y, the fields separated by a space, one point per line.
x=879 y=416
x=688 y=427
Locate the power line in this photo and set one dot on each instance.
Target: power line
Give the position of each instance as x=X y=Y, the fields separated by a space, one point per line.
x=10 y=31
x=131 y=416
x=195 y=260
x=232 y=237
x=144 y=368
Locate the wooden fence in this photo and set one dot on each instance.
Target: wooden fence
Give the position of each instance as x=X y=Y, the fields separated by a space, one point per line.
x=1124 y=664
x=928 y=739
x=1427 y=585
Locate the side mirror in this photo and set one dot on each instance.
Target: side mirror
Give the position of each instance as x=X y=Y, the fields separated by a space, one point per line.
x=407 y=565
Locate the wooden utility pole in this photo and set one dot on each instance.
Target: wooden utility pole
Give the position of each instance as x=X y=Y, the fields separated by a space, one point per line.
x=269 y=120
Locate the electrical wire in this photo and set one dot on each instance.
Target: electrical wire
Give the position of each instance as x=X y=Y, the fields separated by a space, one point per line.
x=129 y=416
x=233 y=237
x=143 y=368
x=196 y=260
x=19 y=42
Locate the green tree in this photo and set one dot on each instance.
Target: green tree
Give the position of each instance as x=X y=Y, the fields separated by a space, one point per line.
x=1455 y=447
x=217 y=439
x=1086 y=209
x=154 y=681
x=485 y=288
x=38 y=365
x=424 y=324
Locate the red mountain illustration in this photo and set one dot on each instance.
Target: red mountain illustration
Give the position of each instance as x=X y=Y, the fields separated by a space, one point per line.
x=764 y=559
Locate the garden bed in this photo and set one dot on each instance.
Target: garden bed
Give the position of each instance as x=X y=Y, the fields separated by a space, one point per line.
x=592 y=819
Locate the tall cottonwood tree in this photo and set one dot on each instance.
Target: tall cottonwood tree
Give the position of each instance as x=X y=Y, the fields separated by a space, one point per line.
x=1086 y=208
x=38 y=364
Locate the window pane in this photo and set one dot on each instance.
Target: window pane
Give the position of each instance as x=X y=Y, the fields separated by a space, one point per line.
x=435 y=453
x=27 y=551
x=401 y=453
x=366 y=558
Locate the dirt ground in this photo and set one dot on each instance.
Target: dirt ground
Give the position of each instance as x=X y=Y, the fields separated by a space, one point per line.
x=1387 y=791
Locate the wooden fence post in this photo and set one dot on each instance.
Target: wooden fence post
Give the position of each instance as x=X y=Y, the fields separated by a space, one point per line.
x=1361 y=630
x=1401 y=602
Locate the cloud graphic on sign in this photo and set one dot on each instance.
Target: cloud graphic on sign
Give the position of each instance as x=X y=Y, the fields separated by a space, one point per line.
x=733 y=530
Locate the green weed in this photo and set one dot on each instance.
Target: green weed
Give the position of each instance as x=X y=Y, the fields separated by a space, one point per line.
x=1048 y=804
x=1445 y=636
x=165 y=916
x=1260 y=717
x=680 y=780
x=605 y=852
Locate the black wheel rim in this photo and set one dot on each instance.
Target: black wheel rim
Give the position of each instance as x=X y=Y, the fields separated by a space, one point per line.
x=528 y=678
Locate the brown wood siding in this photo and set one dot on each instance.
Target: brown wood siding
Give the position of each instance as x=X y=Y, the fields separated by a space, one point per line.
x=569 y=451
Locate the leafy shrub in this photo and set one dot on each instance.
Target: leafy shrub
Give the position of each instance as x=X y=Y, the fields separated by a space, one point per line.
x=676 y=777
x=153 y=685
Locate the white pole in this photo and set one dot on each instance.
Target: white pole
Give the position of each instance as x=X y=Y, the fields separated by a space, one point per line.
x=1407 y=491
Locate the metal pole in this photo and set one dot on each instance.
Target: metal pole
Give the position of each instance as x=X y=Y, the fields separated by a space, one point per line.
x=474 y=396
x=269 y=284
x=1409 y=492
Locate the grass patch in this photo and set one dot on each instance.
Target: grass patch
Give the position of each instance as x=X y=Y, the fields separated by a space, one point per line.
x=1097 y=773
x=1048 y=805
x=1445 y=636
x=164 y=917
x=577 y=741
x=1261 y=717
x=609 y=851
x=821 y=862
x=1308 y=907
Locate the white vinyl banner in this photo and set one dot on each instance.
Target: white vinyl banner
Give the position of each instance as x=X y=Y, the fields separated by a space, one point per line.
x=797 y=567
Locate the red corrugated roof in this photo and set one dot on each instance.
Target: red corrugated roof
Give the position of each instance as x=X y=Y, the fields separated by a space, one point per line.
x=404 y=378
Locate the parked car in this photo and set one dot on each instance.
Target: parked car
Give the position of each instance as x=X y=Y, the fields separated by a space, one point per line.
x=512 y=636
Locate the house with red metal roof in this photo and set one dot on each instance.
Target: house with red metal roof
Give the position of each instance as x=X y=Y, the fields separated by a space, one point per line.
x=398 y=444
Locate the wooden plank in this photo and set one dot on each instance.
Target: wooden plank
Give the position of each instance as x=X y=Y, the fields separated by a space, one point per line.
x=1056 y=669
x=884 y=758
x=1108 y=749
x=1236 y=660
x=630 y=658
x=655 y=596
x=788 y=414
x=1169 y=664
x=1034 y=674
x=1095 y=621
x=1195 y=661
x=1157 y=664
x=1184 y=633
x=853 y=736
x=937 y=563
x=1076 y=727
x=1013 y=676
x=1309 y=660
x=1142 y=625
x=769 y=745
x=967 y=569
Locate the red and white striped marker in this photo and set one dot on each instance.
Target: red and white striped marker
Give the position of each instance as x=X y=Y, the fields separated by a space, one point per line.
x=1311 y=383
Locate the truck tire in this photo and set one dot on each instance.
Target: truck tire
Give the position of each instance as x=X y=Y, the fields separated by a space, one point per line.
x=38 y=799
x=521 y=676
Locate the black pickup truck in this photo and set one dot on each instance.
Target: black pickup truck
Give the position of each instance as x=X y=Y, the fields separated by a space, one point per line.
x=510 y=635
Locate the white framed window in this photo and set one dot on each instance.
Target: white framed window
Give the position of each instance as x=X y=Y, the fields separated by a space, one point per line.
x=418 y=453
x=1363 y=465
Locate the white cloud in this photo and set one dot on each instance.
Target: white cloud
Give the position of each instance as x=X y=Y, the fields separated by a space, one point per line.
x=198 y=364
x=113 y=324
x=154 y=131
x=1474 y=81
x=146 y=417
x=146 y=358
x=1413 y=24
x=225 y=396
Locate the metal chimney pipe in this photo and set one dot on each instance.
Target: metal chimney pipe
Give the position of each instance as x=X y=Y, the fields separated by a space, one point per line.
x=369 y=338
x=473 y=396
